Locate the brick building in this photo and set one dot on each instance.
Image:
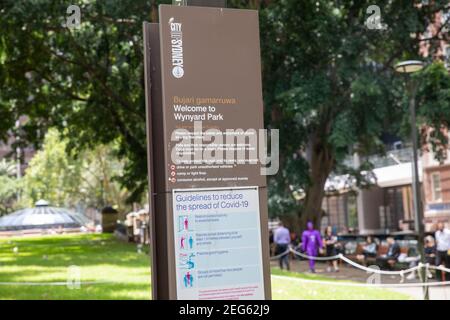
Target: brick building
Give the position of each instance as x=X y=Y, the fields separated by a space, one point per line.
x=436 y=186
x=436 y=176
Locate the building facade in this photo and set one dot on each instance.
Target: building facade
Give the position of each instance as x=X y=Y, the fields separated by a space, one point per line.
x=436 y=185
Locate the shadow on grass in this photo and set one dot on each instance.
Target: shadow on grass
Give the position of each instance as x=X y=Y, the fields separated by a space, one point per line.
x=65 y=250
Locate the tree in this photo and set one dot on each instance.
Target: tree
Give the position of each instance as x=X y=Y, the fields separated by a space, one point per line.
x=328 y=82
x=9 y=186
x=433 y=100
x=330 y=88
x=66 y=180
x=87 y=81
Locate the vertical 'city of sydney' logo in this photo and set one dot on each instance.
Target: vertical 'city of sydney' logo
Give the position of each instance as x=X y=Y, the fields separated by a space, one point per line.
x=176 y=41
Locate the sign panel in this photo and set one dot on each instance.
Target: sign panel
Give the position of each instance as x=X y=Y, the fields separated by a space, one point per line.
x=218 y=244
x=212 y=94
x=205 y=110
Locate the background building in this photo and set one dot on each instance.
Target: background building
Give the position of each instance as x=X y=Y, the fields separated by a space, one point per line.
x=436 y=186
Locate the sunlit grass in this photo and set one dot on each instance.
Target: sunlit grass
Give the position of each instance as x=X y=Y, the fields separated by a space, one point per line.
x=121 y=272
x=101 y=258
x=287 y=288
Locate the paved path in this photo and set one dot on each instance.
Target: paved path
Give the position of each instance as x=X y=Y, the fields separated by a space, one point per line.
x=347 y=272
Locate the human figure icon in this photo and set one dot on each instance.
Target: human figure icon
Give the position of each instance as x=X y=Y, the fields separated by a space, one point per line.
x=188 y=276
x=191 y=242
x=188 y=280
x=190 y=263
x=182 y=242
x=186 y=223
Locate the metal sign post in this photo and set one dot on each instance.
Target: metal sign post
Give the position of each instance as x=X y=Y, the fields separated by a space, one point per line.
x=209 y=220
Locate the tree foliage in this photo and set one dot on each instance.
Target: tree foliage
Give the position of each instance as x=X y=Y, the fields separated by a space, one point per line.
x=331 y=89
x=69 y=181
x=329 y=84
x=9 y=186
x=87 y=81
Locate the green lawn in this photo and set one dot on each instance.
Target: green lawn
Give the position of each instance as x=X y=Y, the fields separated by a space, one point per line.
x=286 y=286
x=102 y=258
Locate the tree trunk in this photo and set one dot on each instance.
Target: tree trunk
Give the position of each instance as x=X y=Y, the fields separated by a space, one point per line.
x=321 y=161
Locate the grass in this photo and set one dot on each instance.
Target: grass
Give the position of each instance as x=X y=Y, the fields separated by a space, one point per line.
x=102 y=258
x=287 y=288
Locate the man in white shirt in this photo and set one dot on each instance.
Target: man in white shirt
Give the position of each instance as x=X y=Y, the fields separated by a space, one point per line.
x=442 y=237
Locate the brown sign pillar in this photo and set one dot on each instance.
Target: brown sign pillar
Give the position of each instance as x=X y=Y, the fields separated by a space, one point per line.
x=209 y=219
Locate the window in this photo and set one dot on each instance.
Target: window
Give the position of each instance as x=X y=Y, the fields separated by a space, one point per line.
x=341 y=212
x=352 y=211
x=398 y=204
x=436 y=186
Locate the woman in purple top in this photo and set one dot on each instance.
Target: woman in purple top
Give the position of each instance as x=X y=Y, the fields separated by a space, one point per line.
x=311 y=242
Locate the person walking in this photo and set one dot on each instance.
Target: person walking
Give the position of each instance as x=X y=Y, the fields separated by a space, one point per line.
x=330 y=241
x=282 y=238
x=311 y=243
x=442 y=237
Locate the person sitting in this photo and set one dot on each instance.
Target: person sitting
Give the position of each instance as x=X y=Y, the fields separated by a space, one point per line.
x=369 y=251
x=430 y=255
x=390 y=258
